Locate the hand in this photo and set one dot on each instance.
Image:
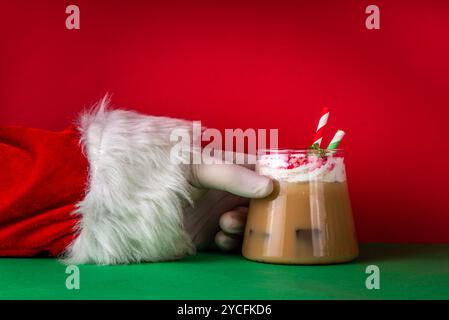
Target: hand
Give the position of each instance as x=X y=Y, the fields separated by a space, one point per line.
x=220 y=193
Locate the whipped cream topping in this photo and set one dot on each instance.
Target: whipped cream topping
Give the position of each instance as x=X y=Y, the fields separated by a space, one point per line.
x=301 y=167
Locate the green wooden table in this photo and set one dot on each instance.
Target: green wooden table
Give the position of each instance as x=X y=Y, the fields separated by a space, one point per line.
x=406 y=272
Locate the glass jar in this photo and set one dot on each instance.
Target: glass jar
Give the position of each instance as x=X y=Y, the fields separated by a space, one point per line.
x=307 y=219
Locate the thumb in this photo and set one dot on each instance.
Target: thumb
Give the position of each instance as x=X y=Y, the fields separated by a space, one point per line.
x=232 y=178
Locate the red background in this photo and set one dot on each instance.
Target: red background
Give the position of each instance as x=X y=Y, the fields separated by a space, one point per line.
x=258 y=64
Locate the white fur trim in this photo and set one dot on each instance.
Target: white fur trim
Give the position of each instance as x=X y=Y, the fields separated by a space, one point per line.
x=133 y=208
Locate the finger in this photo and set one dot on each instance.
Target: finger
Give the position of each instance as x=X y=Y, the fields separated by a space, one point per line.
x=230 y=157
x=227 y=242
x=202 y=220
x=231 y=178
x=233 y=222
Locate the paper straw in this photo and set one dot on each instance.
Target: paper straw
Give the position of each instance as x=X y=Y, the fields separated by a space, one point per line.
x=336 y=140
x=320 y=129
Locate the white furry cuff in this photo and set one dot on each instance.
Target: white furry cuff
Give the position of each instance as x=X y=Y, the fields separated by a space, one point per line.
x=133 y=208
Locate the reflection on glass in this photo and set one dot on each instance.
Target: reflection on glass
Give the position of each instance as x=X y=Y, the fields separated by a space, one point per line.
x=307 y=219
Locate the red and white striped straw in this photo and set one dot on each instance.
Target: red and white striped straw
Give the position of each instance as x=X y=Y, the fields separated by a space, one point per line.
x=320 y=129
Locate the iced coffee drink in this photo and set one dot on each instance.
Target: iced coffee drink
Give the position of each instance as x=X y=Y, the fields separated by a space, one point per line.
x=307 y=219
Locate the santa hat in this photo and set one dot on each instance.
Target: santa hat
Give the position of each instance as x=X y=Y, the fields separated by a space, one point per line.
x=134 y=195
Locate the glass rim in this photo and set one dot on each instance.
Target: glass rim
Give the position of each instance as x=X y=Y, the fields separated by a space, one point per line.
x=280 y=151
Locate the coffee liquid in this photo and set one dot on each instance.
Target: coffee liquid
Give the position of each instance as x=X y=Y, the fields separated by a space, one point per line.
x=308 y=222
